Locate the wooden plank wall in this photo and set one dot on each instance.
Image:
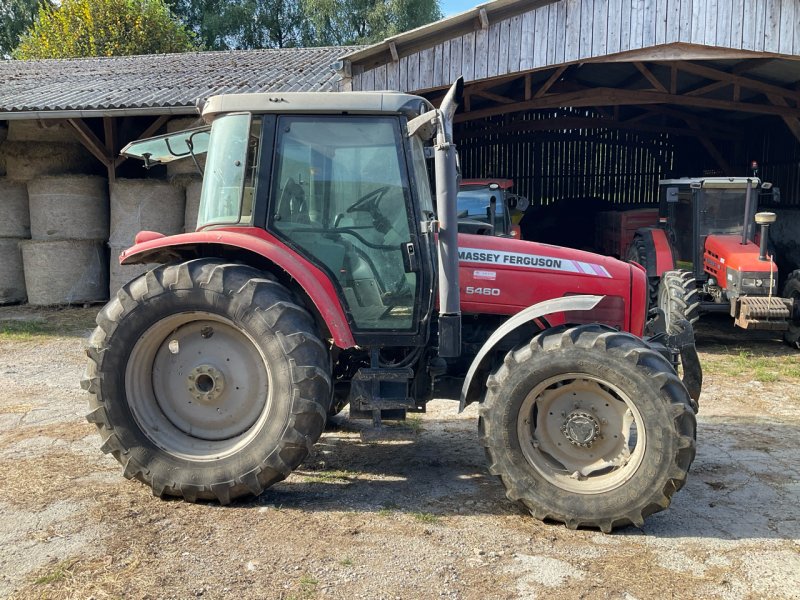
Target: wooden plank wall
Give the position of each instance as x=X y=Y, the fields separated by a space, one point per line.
x=572 y=30
x=618 y=167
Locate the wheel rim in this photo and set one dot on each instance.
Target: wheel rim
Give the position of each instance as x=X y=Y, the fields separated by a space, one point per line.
x=198 y=386
x=664 y=304
x=581 y=433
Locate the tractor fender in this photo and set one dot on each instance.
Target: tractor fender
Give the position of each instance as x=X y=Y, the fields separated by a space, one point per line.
x=255 y=247
x=541 y=309
x=657 y=249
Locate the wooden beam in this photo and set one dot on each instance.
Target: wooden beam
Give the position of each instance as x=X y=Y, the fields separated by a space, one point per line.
x=673 y=79
x=745 y=82
x=793 y=123
x=749 y=65
x=611 y=96
x=708 y=88
x=90 y=141
x=550 y=81
x=484 y=18
x=657 y=85
x=393 y=51
x=528 y=90
x=149 y=132
x=496 y=97
x=110 y=134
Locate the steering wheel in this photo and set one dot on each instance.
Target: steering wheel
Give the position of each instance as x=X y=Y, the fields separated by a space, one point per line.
x=369 y=202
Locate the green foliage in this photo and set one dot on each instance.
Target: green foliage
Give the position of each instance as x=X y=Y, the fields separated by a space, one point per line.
x=244 y=24
x=16 y=16
x=343 y=22
x=79 y=28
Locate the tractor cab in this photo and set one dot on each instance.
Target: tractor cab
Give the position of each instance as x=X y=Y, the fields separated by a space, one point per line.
x=490 y=202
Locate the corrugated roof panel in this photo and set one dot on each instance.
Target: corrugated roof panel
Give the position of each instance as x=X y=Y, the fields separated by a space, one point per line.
x=166 y=80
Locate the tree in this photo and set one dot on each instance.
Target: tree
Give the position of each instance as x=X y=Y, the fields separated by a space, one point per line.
x=103 y=28
x=342 y=22
x=244 y=24
x=16 y=17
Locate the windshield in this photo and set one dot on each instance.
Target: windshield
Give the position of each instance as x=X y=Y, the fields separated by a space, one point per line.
x=167 y=148
x=231 y=171
x=723 y=211
x=475 y=204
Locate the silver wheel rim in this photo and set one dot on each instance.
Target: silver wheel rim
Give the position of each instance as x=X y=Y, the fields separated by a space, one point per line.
x=581 y=433
x=197 y=386
x=664 y=304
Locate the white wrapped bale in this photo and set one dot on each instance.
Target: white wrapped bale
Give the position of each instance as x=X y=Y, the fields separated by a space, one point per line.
x=69 y=207
x=29 y=160
x=12 y=278
x=144 y=205
x=184 y=166
x=192 y=205
x=65 y=271
x=15 y=219
x=44 y=130
x=119 y=275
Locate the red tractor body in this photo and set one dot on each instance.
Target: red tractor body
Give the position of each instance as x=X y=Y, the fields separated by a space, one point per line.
x=323 y=275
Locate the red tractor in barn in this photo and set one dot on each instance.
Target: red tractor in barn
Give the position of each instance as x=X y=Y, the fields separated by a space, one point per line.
x=490 y=202
x=706 y=256
x=312 y=280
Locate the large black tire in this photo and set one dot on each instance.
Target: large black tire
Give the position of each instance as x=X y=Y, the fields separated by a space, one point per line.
x=792 y=290
x=207 y=381
x=638 y=252
x=678 y=298
x=559 y=405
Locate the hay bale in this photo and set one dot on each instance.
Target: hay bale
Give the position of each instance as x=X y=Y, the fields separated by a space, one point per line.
x=119 y=275
x=186 y=165
x=28 y=160
x=15 y=219
x=192 y=205
x=144 y=205
x=69 y=207
x=12 y=278
x=65 y=271
x=43 y=130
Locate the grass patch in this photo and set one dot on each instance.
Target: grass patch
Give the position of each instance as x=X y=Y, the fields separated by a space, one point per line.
x=746 y=364
x=346 y=562
x=59 y=573
x=414 y=423
x=28 y=323
x=424 y=517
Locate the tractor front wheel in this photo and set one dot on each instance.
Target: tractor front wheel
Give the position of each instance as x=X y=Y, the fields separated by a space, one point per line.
x=678 y=298
x=207 y=380
x=588 y=426
x=792 y=290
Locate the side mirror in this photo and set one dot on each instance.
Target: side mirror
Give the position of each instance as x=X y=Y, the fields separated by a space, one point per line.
x=672 y=194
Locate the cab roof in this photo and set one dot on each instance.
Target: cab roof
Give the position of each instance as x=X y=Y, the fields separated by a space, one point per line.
x=713 y=182
x=317 y=103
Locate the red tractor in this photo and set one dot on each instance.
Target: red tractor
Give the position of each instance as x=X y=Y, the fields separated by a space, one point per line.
x=490 y=202
x=705 y=256
x=312 y=281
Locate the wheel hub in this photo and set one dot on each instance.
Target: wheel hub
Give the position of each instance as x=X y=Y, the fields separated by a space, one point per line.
x=205 y=383
x=581 y=429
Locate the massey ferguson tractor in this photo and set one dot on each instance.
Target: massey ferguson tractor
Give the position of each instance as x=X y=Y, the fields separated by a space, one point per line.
x=322 y=273
x=706 y=256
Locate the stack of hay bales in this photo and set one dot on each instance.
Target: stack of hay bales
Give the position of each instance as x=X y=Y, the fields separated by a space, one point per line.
x=34 y=148
x=141 y=205
x=66 y=260
x=14 y=228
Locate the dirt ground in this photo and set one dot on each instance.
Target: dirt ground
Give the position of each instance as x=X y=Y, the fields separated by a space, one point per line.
x=419 y=518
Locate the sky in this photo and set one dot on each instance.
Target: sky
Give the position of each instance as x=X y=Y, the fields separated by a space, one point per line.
x=453 y=7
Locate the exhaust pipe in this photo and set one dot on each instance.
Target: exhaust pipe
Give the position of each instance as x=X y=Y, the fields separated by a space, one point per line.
x=446 y=193
x=764 y=220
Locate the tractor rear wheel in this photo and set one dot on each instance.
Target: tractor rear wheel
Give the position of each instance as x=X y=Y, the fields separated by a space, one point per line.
x=792 y=290
x=207 y=380
x=678 y=298
x=588 y=426
x=637 y=252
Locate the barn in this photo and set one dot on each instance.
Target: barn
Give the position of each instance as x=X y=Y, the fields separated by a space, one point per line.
x=584 y=104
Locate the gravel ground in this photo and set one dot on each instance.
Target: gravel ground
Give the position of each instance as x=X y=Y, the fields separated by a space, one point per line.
x=415 y=518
